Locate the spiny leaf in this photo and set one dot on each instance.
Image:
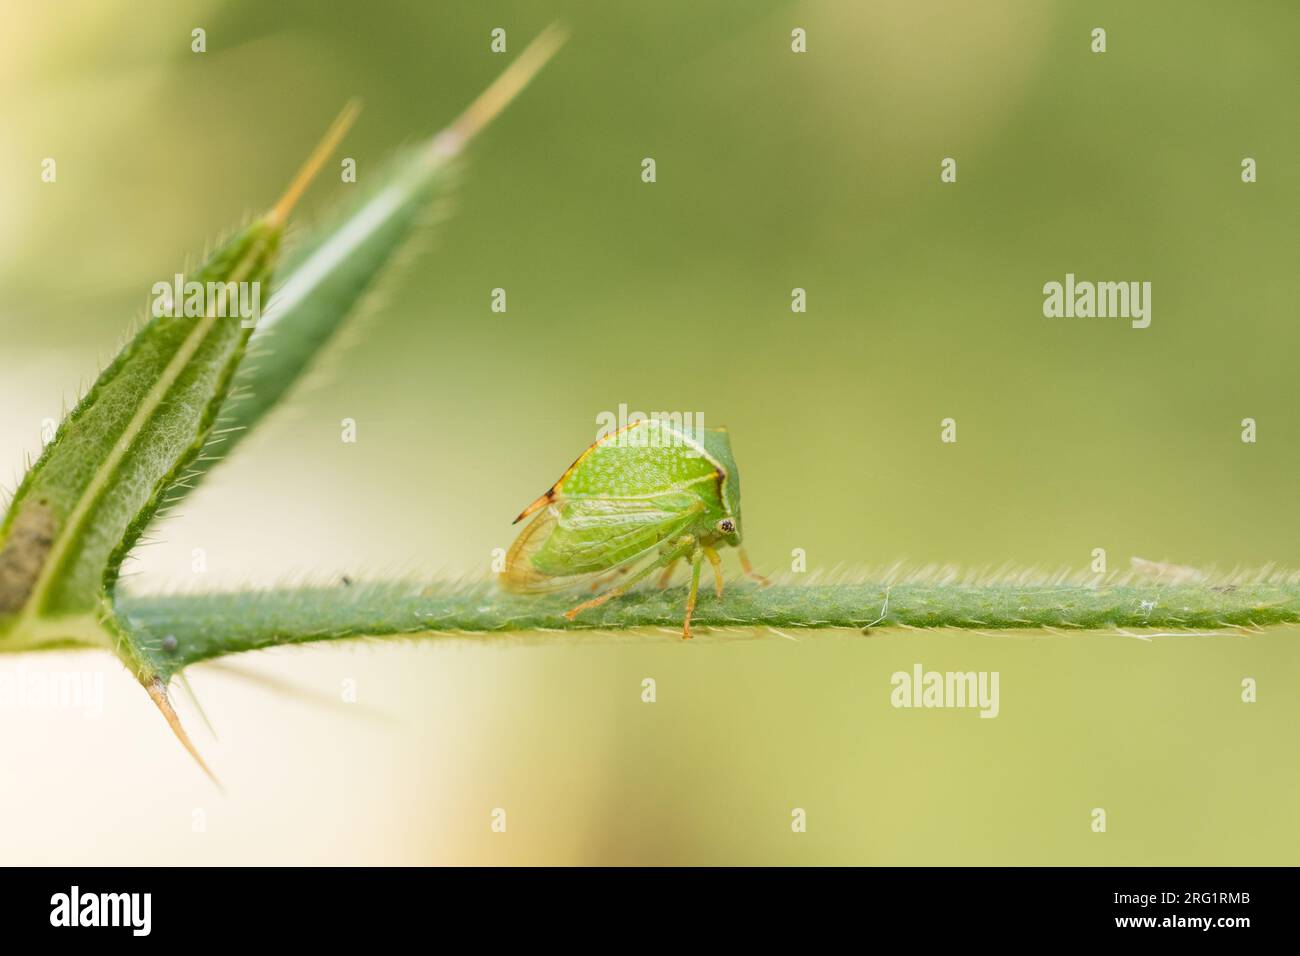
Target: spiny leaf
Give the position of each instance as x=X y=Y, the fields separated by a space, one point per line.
x=85 y=503
x=337 y=263
x=135 y=445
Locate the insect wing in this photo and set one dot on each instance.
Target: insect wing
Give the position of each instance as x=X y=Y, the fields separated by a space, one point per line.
x=573 y=540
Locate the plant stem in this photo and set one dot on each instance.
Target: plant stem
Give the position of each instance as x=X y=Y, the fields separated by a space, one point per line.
x=179 y=630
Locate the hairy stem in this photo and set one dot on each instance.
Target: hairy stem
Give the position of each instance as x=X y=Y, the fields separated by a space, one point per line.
x=178 y=630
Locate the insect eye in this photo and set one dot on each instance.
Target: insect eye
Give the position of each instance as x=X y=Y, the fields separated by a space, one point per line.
x=727 y=526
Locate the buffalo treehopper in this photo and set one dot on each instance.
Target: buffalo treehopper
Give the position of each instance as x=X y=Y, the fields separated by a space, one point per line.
x=649 y=494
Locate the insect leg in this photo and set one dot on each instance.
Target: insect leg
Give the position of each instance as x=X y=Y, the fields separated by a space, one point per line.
x=667 y=576
x=749 y=569
x=715 y=559
x=697 y=556
x=684 y=546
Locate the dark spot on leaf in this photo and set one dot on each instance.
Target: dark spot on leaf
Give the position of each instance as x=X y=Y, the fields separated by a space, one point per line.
x=23 y=556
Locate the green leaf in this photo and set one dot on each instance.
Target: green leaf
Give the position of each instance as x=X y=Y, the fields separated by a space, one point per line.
x=332 y=268
x=135 y=443
x=83 y=505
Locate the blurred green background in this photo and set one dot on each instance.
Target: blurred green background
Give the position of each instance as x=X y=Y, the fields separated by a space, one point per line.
x=775 y=171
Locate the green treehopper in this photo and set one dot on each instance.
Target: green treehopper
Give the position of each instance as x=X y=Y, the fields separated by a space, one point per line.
x=648 y=495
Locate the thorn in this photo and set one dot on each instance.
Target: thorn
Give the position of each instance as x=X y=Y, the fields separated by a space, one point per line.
x=333 y=136
x=158 y=693
x=488 y=104
x=302 y=694
x=194 y=699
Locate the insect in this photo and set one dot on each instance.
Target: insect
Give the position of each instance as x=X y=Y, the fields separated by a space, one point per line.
x=650 y=494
